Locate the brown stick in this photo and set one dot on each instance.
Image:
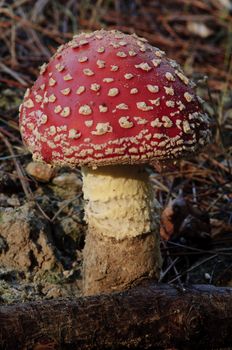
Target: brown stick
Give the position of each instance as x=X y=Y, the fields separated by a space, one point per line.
x=158 y=316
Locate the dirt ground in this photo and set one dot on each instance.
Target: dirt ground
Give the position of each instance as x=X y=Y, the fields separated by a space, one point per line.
x=41 y=209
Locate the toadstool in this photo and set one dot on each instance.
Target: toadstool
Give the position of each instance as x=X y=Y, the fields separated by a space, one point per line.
x=110 y=103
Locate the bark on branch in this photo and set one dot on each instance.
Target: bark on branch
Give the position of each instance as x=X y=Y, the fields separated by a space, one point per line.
x=158 y=316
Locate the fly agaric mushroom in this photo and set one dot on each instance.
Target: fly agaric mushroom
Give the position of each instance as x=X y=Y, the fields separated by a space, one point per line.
x=109 y=103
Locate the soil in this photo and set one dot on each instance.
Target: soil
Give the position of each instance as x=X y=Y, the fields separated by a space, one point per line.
x=40 y=254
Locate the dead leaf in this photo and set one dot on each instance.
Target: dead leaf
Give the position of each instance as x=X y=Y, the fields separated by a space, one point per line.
x=219 y=227
x=172 y=216
x=181 y=219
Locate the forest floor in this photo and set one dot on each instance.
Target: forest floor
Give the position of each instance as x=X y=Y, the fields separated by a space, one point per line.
x=41 y=210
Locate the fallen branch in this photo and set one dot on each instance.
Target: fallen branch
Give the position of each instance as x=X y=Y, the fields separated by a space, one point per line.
x=151 y=315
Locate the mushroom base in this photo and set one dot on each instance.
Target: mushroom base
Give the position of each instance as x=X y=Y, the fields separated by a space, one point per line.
x=111 y=265
x=122 y=244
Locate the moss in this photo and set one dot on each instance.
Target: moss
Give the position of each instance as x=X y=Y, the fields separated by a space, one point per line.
x=52 y=277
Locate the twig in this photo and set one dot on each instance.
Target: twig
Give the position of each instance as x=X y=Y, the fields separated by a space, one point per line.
x=12 y=73
x=192 y=268
x=19 y=169
x=173 y=266
x=67 y=202
x=164 y=273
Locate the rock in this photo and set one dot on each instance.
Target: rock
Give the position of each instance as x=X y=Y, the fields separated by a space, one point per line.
x=27 y=243
x=40 y=171
x=13 y=201
x=67 y=185
x=6 y=201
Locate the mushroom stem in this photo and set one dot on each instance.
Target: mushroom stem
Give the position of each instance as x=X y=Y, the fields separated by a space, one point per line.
x=122 y=244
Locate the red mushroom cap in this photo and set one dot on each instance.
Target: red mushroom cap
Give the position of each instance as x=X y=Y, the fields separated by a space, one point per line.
x=109 y=98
